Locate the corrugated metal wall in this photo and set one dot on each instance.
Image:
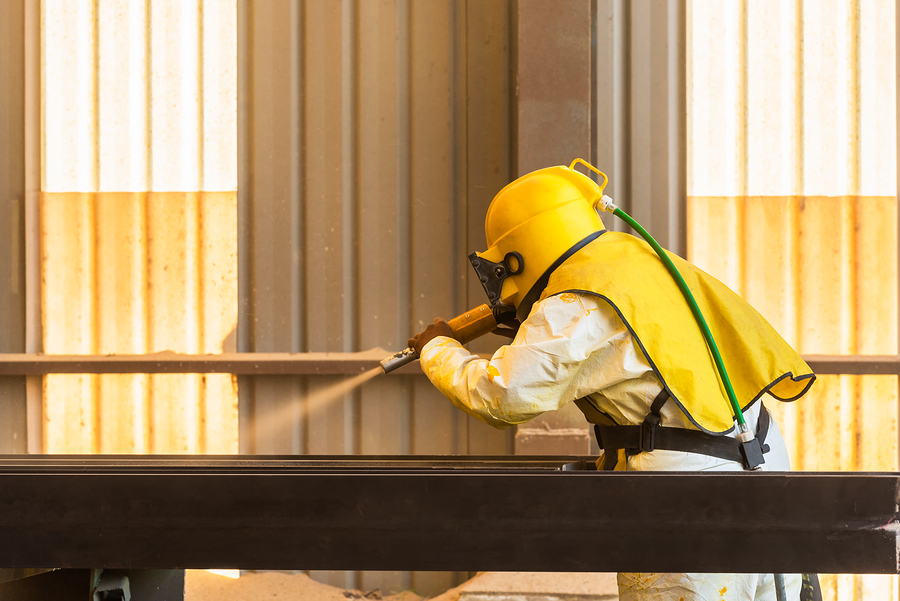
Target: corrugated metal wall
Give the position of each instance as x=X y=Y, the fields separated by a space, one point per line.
x=138 y=219
x=792 y=202
x=373 y=135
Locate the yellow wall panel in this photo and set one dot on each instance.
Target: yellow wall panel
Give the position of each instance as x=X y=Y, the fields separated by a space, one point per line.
x=139 y=120
x=120 y=298
x=877 y=419
x=714 y=237
x=218 y=298
x=770 y=249
x=68 y=257
x=876 y=266
x=68 y=260
x=138 y=273
x=827 y=230
x=805 y=225
x=845 y=423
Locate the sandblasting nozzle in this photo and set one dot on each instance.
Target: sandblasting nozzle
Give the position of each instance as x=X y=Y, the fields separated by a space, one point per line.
x=398 y=360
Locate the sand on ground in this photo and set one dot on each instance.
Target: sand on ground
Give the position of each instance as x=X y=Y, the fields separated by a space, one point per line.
x=201 y=585
x=280 y=586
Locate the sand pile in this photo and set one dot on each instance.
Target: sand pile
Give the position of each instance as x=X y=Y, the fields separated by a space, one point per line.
x=274 y=586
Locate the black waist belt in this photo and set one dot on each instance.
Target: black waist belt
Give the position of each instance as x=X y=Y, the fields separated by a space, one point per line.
x=650 y=436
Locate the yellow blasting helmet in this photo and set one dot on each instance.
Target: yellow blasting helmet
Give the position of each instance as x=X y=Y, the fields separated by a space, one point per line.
x=533 y=224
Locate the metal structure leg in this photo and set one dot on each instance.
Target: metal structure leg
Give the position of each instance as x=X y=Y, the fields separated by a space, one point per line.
x=96 y=585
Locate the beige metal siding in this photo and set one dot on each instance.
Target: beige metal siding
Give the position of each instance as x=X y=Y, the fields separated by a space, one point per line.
x=138 y=219
x=792 y=202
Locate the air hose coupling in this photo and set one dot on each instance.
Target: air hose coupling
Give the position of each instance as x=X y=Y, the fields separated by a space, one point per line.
x=606 y=204
x=751 y=450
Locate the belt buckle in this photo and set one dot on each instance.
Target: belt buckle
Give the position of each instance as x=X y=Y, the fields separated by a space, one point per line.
x=648 y=434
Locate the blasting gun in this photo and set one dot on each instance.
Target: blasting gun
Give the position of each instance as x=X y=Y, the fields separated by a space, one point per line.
x=466 y=327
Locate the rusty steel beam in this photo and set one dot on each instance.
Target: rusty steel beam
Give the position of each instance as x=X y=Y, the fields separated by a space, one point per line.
x=176 y=363
x=19 y=364
x=854 y=364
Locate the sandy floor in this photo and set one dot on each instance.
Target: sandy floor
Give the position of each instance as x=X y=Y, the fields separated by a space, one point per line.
x=277 y=586
x=269 y=586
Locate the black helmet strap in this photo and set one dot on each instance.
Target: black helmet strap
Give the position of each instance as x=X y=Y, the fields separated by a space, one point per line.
x=534 y=294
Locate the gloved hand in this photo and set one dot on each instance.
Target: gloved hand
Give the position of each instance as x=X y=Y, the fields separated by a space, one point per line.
x=438 y=328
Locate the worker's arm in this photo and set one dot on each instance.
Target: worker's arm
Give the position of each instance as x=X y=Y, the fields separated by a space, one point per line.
x=570 y=346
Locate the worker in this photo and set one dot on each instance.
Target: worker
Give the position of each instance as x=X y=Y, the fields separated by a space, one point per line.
x=600 y=322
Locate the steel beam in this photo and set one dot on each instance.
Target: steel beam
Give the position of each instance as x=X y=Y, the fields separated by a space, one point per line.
x=854 y=364
x=449 y=513
x=177 y=363
x=18 y=364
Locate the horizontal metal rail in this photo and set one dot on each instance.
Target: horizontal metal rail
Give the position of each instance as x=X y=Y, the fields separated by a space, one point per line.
x=438 y=513
x=177 y=363
x=18 y=364
x=854 y=364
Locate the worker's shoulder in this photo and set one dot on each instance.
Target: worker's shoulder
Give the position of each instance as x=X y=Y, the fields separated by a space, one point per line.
x=577 y=304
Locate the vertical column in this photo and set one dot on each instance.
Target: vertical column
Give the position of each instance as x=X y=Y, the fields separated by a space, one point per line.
x=489 y=153
x=553 y=127
x=12 y=220
x=553 y=83
x=897 y=176
x=32 y=258
x=657 y=118
x=640 y=113
x=434 y=212
x=610 y=129
x=271 y=193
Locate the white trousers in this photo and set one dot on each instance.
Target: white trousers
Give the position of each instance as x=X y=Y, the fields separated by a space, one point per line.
x=704 y=587
x=708 y=587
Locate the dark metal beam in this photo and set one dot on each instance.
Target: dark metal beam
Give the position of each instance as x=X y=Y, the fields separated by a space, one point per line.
x=503 y=513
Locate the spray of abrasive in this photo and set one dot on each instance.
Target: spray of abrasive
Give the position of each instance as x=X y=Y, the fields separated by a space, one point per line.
x=466 y=327
x=317 y=399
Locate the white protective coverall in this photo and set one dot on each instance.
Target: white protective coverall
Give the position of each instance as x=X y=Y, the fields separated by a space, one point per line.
x=573 y=346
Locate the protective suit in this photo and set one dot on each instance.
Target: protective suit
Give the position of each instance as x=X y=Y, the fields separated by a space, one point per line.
x=601 y=325
x=574 y=346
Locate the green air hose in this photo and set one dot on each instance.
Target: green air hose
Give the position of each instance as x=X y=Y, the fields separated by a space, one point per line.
x=605 y=203
x=736 y=408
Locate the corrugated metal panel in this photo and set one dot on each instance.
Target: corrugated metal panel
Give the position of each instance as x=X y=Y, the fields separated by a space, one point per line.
x=792 y=202
x=12 y=216
x=138 y=219
x=372 y=137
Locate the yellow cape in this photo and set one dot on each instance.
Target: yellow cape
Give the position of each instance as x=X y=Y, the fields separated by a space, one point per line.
x=627 y=273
